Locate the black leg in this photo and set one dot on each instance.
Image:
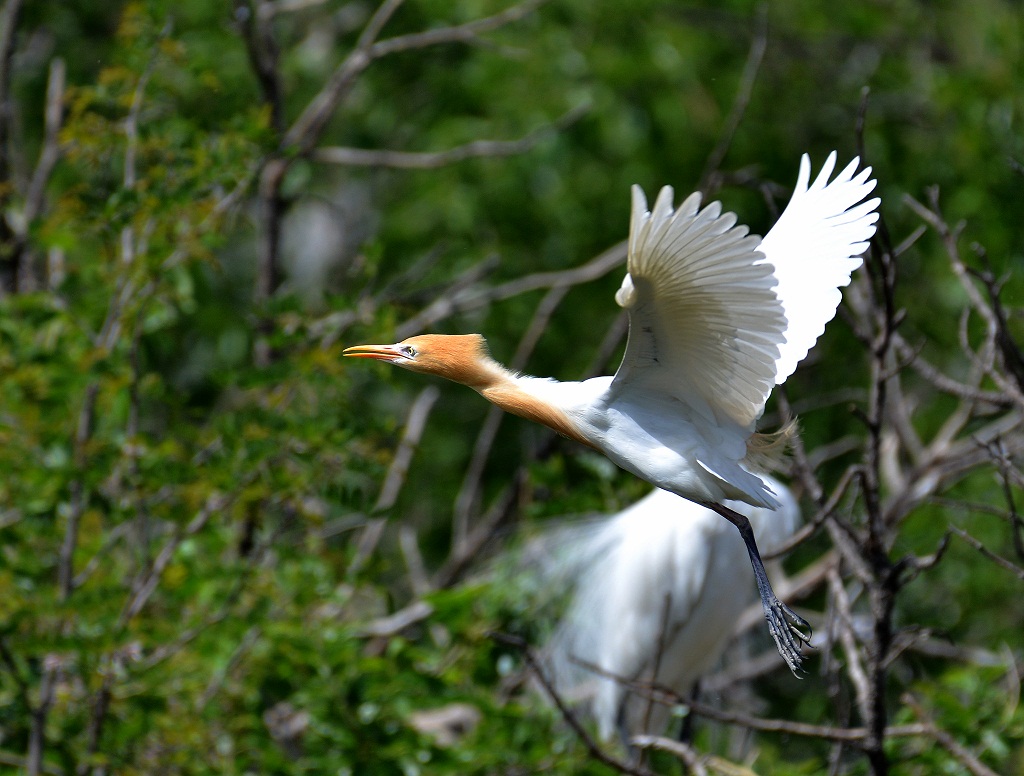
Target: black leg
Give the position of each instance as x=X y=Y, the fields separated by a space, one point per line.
x=783 y=623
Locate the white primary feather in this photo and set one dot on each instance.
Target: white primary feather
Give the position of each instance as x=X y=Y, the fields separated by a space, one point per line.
x=661 y=552
x=704 y=323
x=814 y=247
x=717 y=317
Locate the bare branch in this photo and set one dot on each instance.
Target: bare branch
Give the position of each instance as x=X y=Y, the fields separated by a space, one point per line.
x=833 y=733
x=393 y=624
x=78 y=495
x=305 y=132
x=475 y=298
x=591 y=745
x=444 y=304
x=418 y=578
x=950 y=237
x=1006 y=472
x=485 y=528
x=686 y=753
x=997 y=559
x=414 y=425
x=462 y=33
x=272 y=9
x=115 y=535
x=430 y=160
x=709 y=178
x=9 y=258
x=8 y=25
x=131 y=122
x=37 y=731
x=248 y=640
x=254 y=17
x=855 y=666
x=395 y=478
x=964 y=756
x=215 y=503
x=51 y=141
x=853 y=735
x=945 y=383
x=377 y=22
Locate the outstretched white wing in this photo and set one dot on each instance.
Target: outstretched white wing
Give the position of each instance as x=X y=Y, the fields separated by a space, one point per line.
x=705 y=325
x=814 y=247
x=717 y=318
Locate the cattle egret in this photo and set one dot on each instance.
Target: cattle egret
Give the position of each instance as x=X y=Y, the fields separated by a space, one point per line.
x=654 y=596
x=716 y=318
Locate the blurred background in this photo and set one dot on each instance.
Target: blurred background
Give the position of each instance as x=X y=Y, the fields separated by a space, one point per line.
x=223 y=549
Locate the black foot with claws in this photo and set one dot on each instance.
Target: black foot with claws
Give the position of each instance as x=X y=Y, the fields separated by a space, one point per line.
x=789 y=629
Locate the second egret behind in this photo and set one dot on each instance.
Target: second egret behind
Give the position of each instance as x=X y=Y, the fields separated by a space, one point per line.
x=654 y=596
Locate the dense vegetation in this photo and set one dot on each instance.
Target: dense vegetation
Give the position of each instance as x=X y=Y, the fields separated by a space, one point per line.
x=223 y=549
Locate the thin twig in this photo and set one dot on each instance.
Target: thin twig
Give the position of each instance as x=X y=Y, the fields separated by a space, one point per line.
x=474 y=298
x=215 y=503
x=847 y=635
x=963 y=755
x=78 y=494
x=745 y=89
x=254 y=17
x=305 y=132
x=591 y=745
x=997 y=559
x=431 y=160
x=854 y=735
x=39 y=714
x=9 y=257
x=414 y=425
x=419 y=581
x=686 y=753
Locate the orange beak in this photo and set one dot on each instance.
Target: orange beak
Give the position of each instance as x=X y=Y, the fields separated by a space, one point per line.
x=379 y=352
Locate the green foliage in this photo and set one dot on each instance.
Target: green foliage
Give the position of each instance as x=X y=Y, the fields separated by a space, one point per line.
x=182 y=583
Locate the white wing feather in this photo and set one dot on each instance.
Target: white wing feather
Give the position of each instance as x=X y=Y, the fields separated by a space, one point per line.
x=705 y=325
x=814 y=246
x=717 y=317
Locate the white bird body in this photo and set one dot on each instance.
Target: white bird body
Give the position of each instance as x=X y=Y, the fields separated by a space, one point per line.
x=651 y=436
x=656 y=587
x=717 y=318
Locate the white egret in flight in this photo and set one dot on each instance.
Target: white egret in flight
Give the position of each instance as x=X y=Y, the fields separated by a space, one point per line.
x=717 y=317
x=655 y=597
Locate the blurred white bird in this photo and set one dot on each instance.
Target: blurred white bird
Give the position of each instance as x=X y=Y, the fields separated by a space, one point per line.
x=655 y=596
x=717 y=317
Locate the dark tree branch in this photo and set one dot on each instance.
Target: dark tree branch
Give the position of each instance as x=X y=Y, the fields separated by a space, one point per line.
x=591 y=745
x=710 y=178
x=9 y=269
x=254 y=17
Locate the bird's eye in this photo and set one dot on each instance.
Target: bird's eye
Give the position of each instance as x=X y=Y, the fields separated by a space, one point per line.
x=409 y=351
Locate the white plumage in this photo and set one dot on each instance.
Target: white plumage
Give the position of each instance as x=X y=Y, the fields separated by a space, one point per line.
x=814 y=247
x=658 y=577
x=718 y=317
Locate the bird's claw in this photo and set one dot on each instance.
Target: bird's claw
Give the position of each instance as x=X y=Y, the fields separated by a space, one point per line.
x=788 y=629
